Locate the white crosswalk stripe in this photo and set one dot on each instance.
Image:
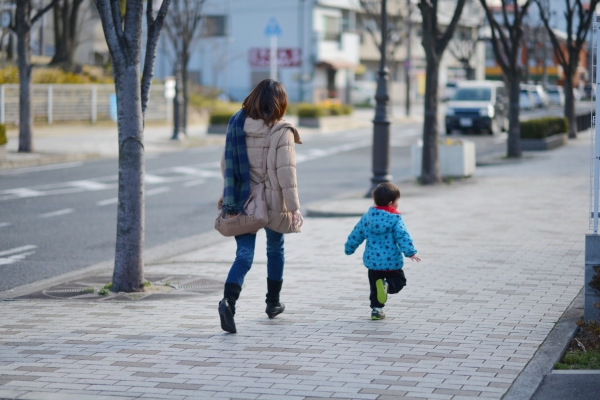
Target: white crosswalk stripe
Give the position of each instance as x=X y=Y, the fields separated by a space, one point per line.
x=57 y=213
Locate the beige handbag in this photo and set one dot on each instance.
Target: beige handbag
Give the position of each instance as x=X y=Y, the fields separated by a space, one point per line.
x=256 y=212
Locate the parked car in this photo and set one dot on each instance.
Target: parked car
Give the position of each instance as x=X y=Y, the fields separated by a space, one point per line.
x=526 y=99
x=449 y=90
x=478 y=105
x=363 y=94
x=556 y=95
x=540 y=97
x=589 y=91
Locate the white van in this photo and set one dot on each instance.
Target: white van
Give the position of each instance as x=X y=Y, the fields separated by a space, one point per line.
x=478 y=106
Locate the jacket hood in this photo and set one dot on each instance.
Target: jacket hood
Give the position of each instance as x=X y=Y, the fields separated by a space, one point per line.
x=258 y=128
x=381 y=221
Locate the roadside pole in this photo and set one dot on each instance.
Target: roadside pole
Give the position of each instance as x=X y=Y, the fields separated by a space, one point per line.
x=592 y=241
x=381 y=122
x=273 y=31
x=273 y=57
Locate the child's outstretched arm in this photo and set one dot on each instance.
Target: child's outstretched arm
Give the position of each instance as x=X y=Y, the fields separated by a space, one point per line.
x=357 y=236
x=404 y=241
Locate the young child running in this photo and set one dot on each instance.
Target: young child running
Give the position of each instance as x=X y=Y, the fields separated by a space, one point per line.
x=387 y=239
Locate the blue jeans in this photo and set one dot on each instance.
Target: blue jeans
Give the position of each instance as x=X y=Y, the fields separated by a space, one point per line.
x=244 y=256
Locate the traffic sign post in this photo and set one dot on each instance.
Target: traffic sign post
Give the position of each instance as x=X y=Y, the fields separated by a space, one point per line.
x=274 y=58
x=273 y=30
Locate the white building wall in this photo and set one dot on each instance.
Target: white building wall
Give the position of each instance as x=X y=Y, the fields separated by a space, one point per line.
x=223 y=62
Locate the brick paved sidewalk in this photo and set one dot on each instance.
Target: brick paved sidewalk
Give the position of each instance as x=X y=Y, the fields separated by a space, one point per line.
x=502 y=259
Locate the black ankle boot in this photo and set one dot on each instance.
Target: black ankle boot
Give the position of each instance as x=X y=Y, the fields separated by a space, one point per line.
x=274 y=306
x=227 y=306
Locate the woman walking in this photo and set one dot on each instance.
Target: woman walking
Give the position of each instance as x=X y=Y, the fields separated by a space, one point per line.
x=257 y=125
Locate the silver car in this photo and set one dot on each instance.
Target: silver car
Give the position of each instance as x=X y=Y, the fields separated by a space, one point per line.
x=478 y=106
x=556 y=96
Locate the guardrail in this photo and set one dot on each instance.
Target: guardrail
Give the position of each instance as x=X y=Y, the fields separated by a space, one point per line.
x=76 y=102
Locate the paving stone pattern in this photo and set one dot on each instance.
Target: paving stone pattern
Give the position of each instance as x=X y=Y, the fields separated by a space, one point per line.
x=502 y=259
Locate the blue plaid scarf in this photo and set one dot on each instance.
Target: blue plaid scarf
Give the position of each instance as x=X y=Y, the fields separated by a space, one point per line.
x=237 y=168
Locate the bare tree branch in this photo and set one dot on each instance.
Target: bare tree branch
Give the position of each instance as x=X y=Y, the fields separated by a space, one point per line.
x=154 y=27
x=555 y=42
x=443 y=41
x=112 y=31
x=43 y=11
x=395 y=33
x=115 y=8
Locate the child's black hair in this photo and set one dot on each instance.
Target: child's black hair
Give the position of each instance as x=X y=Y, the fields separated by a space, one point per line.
x=385 y=193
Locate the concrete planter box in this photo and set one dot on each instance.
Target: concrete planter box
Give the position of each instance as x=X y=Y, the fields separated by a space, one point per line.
x=549 y=143
x=218 y=129
x=3 y=157
x=456 y=161
x=326 y=123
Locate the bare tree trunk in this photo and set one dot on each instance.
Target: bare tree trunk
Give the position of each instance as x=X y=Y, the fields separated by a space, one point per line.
x=128 y=275
x=25 y=116
x=430 y=171
x=66 y=16
x=570 y=105
x=514 y=127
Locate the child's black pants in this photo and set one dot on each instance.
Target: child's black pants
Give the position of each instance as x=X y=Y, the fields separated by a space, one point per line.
x=395 y=279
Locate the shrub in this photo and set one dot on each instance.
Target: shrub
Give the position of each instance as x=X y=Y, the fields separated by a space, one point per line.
x=10 y=74
x=347 y=109
x=317 y=110
x=3 y=139
x=221 y=117
x=541 y=128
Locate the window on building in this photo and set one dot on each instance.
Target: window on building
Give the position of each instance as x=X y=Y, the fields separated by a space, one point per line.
x=332 y=28
x=214 y=26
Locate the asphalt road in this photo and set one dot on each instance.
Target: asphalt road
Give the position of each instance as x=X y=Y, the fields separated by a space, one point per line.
x=59 y=218
x=575 y=386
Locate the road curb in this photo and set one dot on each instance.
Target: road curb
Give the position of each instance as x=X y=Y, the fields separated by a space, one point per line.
x=326 y=214
x=45 y=159
x=151 y=256
x=550 y=352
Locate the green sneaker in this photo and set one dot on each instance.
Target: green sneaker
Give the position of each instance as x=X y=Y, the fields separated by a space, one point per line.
x=382 y=290
x=377 y=314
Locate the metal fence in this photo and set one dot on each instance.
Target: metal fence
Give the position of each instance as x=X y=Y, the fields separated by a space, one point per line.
x=65 y=103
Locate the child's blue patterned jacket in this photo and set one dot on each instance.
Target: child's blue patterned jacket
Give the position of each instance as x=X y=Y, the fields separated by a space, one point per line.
x=387 y=238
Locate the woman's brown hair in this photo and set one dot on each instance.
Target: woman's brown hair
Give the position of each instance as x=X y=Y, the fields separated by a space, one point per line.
x=268 y=101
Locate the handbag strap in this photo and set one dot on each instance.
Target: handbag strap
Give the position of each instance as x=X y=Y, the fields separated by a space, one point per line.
x=265 y=151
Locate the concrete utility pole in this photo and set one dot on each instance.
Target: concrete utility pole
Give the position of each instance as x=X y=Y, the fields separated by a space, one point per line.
x=381 y=122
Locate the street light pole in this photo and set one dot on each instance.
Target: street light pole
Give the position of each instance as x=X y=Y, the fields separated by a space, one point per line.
x=381 y=122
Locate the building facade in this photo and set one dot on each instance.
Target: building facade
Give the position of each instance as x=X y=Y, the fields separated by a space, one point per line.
x=318 y=48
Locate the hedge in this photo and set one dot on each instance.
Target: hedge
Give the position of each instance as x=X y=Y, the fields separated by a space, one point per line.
x=541 y=128
x=311 y=111
x=221 y=117
x=10 y=75
x=316 y=111
x=3 y=139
